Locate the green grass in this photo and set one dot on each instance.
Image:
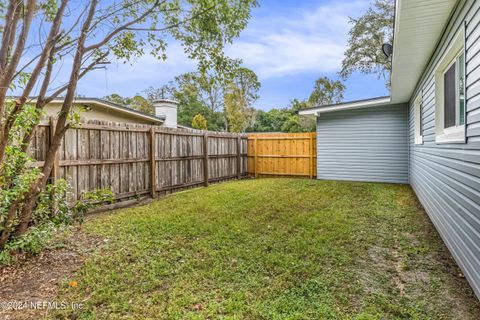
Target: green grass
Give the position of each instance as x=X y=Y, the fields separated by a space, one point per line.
x=272 y=249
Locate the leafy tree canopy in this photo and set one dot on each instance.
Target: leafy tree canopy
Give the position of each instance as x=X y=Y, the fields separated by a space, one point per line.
x=199 y=122
x=204 y=93
x=197 y=93
x=366 y=37
x=137 y=102
x=241 y=92
x=325 y=92
x=39 y=38
x=199 y=98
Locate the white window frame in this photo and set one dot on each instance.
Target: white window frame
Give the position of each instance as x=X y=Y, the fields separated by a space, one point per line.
x=417 y=121
x=454 y=134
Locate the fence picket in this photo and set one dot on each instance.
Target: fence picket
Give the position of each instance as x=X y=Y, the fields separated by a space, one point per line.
x=282 y=154
x=138 y=159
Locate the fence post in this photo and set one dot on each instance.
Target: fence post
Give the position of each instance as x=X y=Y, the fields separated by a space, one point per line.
x=205 y=158
x=153 y=164
x=239 y=157
x=310 y=162
x=56 y=162
x=256 y=158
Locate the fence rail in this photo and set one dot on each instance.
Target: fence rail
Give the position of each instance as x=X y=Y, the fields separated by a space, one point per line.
x=132 y=158
x=282 y=154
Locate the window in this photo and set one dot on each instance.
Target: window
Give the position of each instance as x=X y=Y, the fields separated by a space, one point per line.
x=450 y=94
x=454 y=98
x=418 y=125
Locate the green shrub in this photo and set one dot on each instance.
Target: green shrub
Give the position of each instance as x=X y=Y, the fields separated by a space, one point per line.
x=51 y=213
x=31 y=242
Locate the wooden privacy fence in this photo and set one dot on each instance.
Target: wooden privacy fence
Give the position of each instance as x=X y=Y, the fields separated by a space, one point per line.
x=283 y=154
x=135 y=160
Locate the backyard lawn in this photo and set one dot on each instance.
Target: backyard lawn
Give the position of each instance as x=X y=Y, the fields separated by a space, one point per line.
x=271 y=249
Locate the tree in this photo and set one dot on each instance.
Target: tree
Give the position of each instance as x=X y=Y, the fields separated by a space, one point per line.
x=303 y=124
x=292 y=124
x=207 y=88
x=366 y=37
x=188 y=94
x=199 y=122
x=116 y=98
x=204 y=93
x=272 y=120
x=196 y=93
x=93 y=34
x=235 y=110
x=248 y=84
x=325 y=92
x=137 y=102
x=296 y=104
x=241 y=92
x=141 y=104
x=164 y=92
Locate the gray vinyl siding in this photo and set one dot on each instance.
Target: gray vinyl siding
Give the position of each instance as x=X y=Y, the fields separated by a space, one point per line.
x=368 y=144
x=446 y=177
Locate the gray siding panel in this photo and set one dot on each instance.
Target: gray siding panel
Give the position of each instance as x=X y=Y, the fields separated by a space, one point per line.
x=363 y=145
x=446 y=177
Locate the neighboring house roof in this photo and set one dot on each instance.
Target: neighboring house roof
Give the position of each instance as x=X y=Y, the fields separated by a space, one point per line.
x=419 y=26
x=112 y=106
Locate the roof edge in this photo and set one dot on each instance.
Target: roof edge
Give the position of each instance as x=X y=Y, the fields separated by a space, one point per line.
x=107 y=104
x=354 y=104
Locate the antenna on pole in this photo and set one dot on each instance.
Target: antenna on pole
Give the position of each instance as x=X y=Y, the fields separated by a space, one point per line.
x=106 y=82
x=102 y=65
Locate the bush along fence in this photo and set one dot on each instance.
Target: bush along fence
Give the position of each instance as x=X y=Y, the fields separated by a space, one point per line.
x=135 y=160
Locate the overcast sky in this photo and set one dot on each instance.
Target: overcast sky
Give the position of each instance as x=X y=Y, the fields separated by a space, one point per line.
x=289 y=44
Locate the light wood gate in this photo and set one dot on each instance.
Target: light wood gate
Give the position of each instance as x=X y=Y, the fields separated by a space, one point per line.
x=282 y=154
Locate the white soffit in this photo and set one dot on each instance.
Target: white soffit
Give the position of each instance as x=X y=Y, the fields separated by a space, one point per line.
x=418 y=27
x=359 y=104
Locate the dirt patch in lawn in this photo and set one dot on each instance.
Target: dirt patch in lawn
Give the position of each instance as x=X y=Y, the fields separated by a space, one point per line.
x=36 y=279
x=413 y=276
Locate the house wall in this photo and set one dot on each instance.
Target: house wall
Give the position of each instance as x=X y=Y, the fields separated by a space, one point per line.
x=446 y=177
x=367 y=144
x=98 y=113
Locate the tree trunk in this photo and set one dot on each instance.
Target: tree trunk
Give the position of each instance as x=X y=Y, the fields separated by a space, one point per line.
x=7 y=227
x=47 y=52
x=37 y=187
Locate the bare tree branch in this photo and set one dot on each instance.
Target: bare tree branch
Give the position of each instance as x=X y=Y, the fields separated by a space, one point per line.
x=11 y=20
x=20 y=102
x=22 y=39
x=9 y=70
x=123 y=28
x=46 y=53
x=40 y=104
x=87 y=69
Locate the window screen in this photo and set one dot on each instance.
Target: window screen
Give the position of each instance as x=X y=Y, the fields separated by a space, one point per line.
x=449 y=96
